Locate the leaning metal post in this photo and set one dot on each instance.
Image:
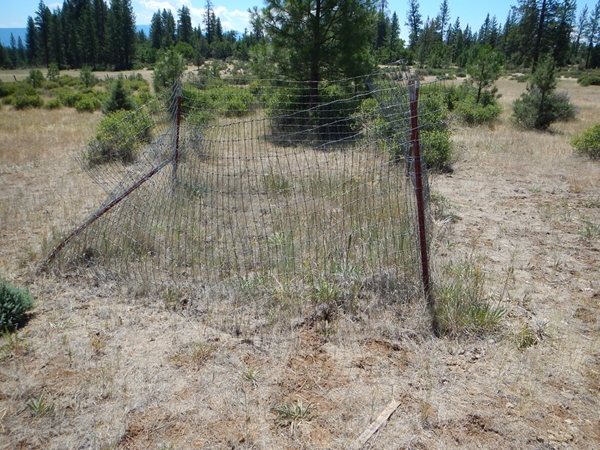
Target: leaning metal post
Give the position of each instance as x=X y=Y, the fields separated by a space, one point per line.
x=177 y=127
x=416 y=155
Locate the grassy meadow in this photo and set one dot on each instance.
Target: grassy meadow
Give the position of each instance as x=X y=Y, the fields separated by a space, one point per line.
x=115 y=366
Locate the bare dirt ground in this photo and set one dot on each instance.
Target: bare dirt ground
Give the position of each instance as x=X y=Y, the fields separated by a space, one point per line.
x=110 y=367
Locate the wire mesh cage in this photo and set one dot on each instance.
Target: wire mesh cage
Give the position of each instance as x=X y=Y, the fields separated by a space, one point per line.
x=233 y=181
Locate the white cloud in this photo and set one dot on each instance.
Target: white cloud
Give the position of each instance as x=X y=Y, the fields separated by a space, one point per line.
x=231 y=20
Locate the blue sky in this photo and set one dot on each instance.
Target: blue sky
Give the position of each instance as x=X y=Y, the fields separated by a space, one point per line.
x=234 y=15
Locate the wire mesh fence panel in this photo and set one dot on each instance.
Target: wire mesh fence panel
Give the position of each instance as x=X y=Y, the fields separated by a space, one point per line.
x=259 y=187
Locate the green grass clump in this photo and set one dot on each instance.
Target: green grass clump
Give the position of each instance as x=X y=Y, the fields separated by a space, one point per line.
x=14 y=303
x=588 y=142
x=460 y=305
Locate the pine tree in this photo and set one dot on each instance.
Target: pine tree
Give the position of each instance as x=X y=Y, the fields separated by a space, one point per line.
x=592 y=33
x=42 y=21
x=485 y=69
x=118 y=97
x=56 y=44
x=209 y=21
x=581 y=26
x=31 y=41
x=86 y=32
x=395 y=43
x=121 y=33
x=256 y=23
x=564 y=19
x=100 y=14
x=13 y=51
x=185 y=30
x=541 y=106
x=443 y=18
x=156 y=30
x=21 y=52
x=168 y=29
x=414 y=22
x=314 y=40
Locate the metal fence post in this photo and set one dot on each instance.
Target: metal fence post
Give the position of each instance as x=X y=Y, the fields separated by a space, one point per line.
x=418 y=186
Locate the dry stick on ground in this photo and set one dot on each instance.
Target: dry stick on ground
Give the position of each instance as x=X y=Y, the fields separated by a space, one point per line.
x=372 y=429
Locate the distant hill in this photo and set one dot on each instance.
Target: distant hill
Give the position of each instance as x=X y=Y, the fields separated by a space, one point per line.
x=5 y=34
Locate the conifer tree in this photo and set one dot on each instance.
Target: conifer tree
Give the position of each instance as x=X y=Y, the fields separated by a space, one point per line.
x=185 y=30
x=31 y=41
x=315 y=40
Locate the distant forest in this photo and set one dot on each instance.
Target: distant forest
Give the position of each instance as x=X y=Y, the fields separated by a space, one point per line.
x=103 y=35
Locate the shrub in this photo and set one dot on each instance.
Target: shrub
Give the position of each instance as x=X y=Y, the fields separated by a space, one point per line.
x=223 y=101
x=118 y=98
x=477 y=114
x=87 y=103
x=168 y=70
x=534 y=111
x=23 y=100
x=143 y=96
x=49 y=85
x=588 y=142
x=7 y=89
x=541 y=106
x=14 y=303
x=68 y=80
x=121 y=135
x=434 y=133
x=35 y=78
x=589 y=81
x=87 y=77
x=53 y=103
x=53 y=72
x=437 y=148
x=67 y=97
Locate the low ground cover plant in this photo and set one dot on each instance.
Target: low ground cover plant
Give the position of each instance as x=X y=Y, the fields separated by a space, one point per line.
x=14 y=303
x=588 y=142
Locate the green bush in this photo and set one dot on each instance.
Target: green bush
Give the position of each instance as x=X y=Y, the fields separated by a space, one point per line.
x=224 y=101
x=143 y=96
x=118 y=98
x=87 y=77
x=87 y=103
x=35 y=78
x=472 y=114
x=53 y=103
x=7 y=89
x=53 y=72
x=437 y=148
x=68 y=80
x=434 y=131
x=588 y=142
x=23 y=100
x=67 y=96
x=540 y=106
x=589 y=81
x=49 y=85
x=120 y=137
x=533 y=111
x=14 y=303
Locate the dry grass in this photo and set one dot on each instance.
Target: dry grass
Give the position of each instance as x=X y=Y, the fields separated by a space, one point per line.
x=119 y=368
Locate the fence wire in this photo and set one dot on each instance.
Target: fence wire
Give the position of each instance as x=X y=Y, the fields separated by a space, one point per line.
x=261 y=180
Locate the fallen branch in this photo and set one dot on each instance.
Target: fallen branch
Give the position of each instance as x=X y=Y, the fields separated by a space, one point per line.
x=372 y=429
